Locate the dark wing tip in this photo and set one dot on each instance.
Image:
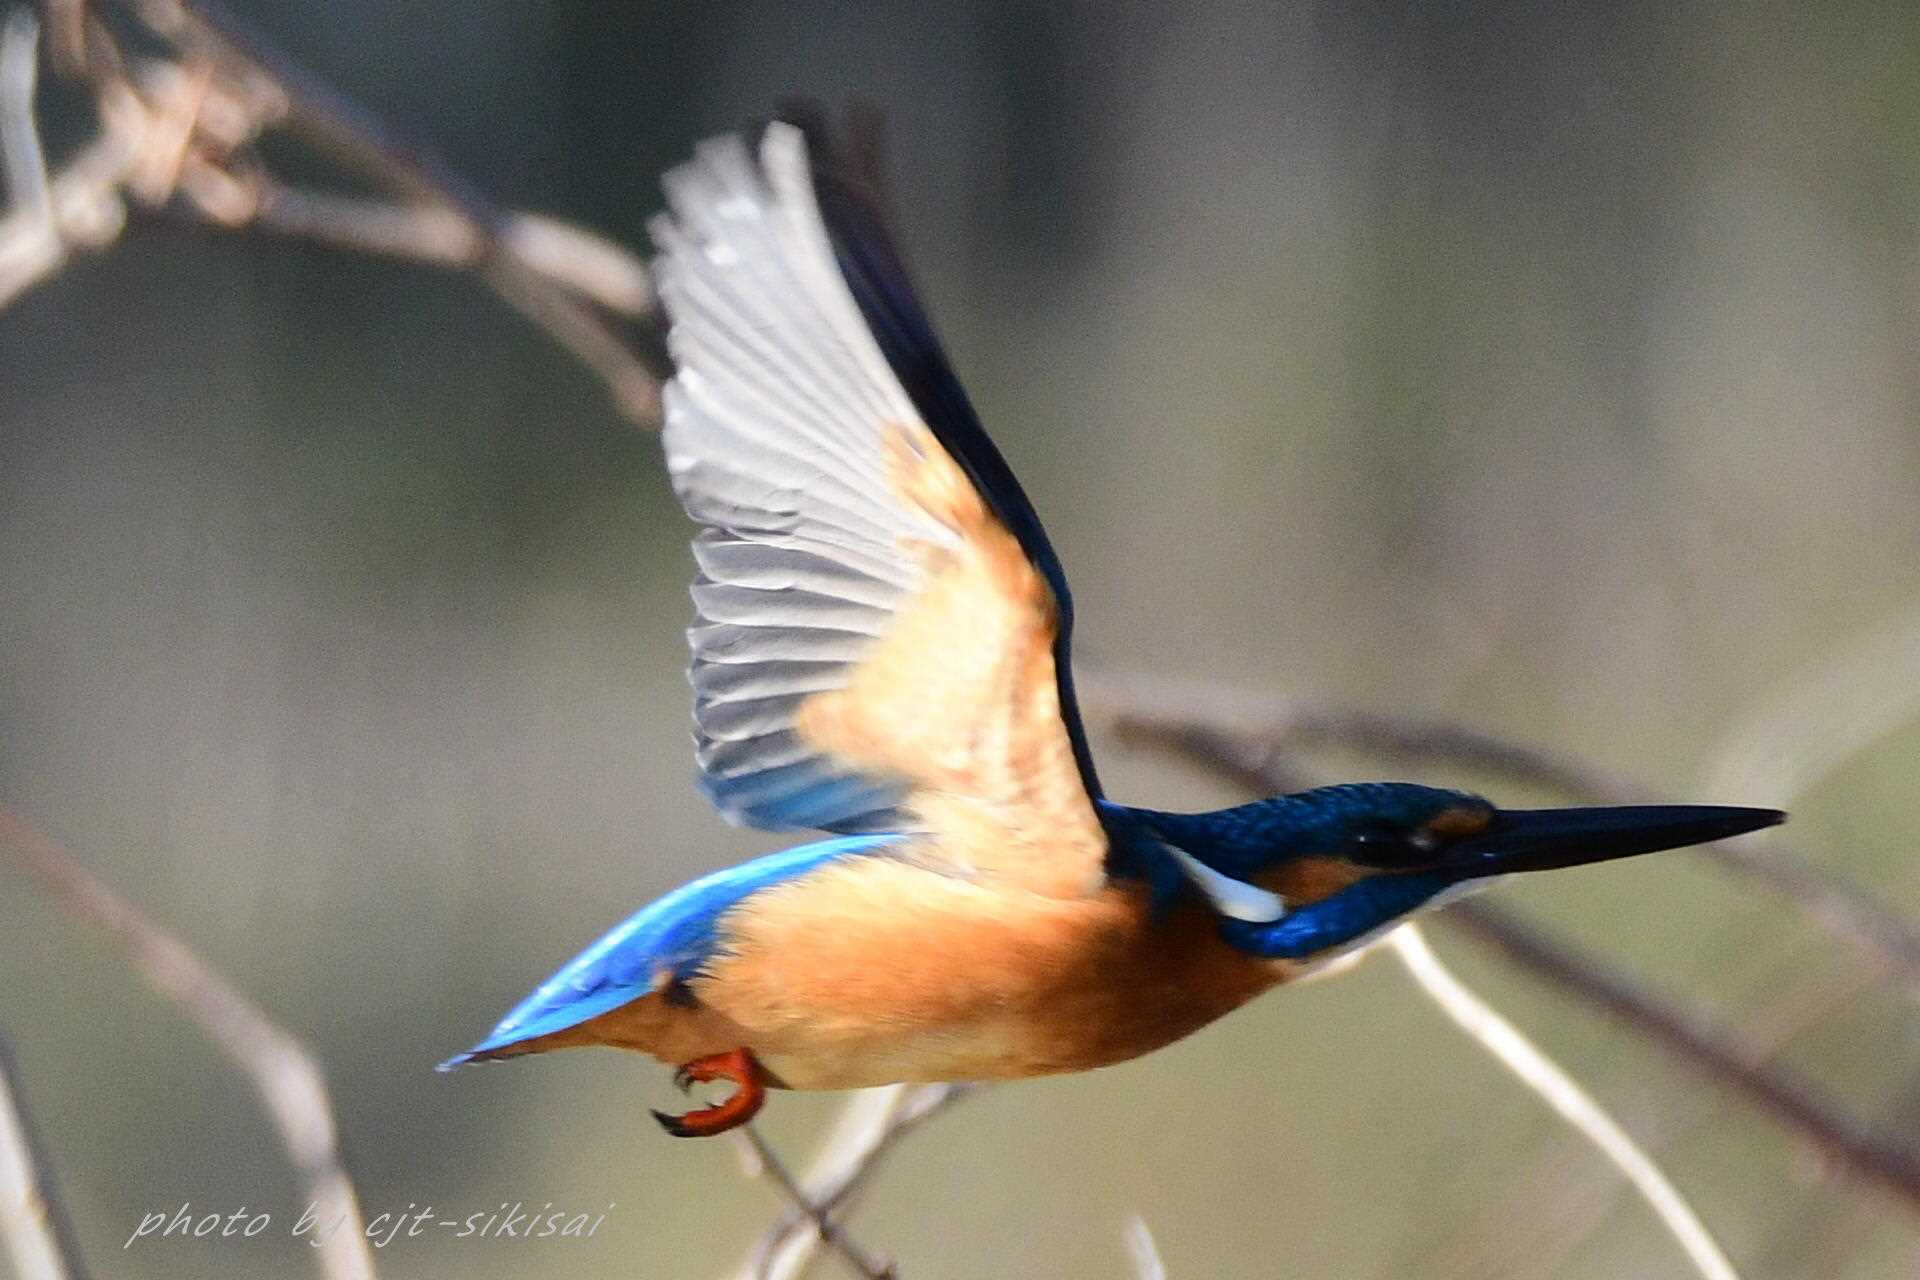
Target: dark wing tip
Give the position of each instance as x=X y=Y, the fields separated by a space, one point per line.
x=850 y=190
x=851 y=158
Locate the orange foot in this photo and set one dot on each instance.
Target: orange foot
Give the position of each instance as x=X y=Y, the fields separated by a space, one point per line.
x=750 y=1091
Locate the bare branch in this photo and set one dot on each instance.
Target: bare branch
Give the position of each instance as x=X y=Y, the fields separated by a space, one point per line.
x=39 y=1237
x=1573 y=1196
x=1787 y=744
x=280 y=1068
x=773 y=1166
x=179 y=131
x=366 y=144
x=592 y=266
x=872 y=1122
x=87 y=213
x=1147 y=1264
x=25 y=163
x=1726 y=1058
x=50 y=217
x=1550 y=1081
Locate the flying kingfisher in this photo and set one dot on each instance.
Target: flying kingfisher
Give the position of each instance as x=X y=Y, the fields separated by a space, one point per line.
x=880 y=651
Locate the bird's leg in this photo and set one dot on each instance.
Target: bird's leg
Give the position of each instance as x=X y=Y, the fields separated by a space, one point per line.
x=750 y=1090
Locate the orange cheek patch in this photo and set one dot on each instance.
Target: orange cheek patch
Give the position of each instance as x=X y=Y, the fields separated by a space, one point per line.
x=1461 y=820
x=1304 y=880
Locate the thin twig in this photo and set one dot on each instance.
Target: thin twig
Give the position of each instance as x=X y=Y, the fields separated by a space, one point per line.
x=1547 y=1079
x=88 y=212
x=47 y=217
x=590 y=265
x=1143 y=1251
x=280 y=1068
x=20 y=152
x=368 y=145
x=1790 y=740
x=1726 y=1058
x=1572 y=1196
x=830 y=1231
x=34 y=1225
x=184 y=126
x=869 y=1126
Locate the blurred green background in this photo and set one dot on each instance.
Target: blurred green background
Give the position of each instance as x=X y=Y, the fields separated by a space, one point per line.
x=1550 y=368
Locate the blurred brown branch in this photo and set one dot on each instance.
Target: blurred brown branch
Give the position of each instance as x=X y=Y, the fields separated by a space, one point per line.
x=282 y=1071
x=34 y=1225
x=1207 y=727
x=179 y=132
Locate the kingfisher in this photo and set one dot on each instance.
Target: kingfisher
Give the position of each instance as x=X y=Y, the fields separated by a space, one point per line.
x=880 y=653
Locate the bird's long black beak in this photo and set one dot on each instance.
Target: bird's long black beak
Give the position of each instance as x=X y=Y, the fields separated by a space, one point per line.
x=1543 y=839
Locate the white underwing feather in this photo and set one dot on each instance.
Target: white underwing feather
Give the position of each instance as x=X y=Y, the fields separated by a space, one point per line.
x=777 y=422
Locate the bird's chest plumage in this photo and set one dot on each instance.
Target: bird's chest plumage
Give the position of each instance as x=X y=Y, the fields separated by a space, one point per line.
x=877 y=970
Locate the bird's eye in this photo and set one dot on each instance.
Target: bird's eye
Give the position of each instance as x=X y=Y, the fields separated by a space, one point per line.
x=1388 y=848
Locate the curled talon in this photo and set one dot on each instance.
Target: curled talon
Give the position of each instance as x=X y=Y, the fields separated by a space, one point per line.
x=674 y=1125
x=750 y=1090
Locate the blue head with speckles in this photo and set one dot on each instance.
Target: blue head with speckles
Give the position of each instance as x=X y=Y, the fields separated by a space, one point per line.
x=1385 y=825
x=1349 y=860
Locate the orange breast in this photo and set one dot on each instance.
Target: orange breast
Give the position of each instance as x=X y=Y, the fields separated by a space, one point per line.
x=874 y=970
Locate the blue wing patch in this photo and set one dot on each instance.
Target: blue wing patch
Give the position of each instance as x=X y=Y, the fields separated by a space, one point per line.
x=675 y=934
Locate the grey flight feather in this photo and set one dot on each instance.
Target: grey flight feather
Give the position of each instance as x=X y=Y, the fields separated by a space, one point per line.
x=776 y=423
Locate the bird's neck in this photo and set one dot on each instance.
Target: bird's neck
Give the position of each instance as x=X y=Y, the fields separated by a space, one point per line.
x=1241 y=841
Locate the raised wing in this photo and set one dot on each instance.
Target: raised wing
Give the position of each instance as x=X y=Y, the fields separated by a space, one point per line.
x=882 y=626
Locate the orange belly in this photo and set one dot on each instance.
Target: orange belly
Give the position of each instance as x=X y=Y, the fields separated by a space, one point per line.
x=875 y=970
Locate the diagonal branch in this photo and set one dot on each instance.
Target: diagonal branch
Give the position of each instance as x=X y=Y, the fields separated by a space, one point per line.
x=20 y=154
x=1550 y=1081
x=279 y=1067
x=813 y=1212
x=367 y=145
x=869 y=1126
x=1724 y=1056
x=178 y=131
x=34 y=1226
x=48 y=217
x=1143 y=1250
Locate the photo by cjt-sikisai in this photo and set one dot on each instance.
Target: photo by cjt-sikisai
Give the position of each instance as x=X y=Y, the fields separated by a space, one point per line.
x=881 y=652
